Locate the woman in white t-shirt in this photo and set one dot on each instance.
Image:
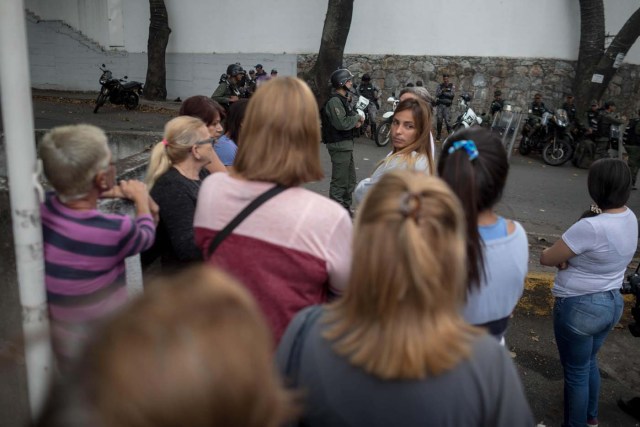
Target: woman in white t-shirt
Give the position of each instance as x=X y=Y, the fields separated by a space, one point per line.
x=412 y=149
x=591 y=257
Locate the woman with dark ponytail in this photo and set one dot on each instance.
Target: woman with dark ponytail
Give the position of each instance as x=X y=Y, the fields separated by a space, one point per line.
x=474 y=164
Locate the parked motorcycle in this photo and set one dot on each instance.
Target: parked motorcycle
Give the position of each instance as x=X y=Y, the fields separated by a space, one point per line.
x=550 y=136
x=117 y=91
x=362 y=108
x=384 y=129
x=468 y=117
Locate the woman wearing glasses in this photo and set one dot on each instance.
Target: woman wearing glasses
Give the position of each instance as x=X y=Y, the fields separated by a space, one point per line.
x=177 y=167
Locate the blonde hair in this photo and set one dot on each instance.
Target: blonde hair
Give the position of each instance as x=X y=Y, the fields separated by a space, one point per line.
x=180 y=134
x=280 y=138
x=399 y=317
x=193 y=350
x=72 y=156
x=421 y=113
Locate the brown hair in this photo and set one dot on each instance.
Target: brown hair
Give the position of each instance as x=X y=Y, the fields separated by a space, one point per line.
x=194 y=350
x=180 y=134
x=202 y=107
x=281 y=135
x=400 y=315
x=421 y=114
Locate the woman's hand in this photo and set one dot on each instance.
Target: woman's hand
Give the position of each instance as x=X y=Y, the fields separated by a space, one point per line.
x=557 y=255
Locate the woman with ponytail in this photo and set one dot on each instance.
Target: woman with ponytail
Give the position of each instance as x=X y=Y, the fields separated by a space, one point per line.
x=394 y=350
x=177 y=166
x=474 y=164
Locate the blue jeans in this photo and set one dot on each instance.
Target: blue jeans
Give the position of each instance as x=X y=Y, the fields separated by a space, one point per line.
x=581 y=325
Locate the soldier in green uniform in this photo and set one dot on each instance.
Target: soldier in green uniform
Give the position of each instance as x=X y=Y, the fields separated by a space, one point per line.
x=228 y=90
x=606 y=119
x=342 y=120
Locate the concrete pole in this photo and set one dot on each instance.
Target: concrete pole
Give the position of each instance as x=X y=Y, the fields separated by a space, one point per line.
x=17 y=115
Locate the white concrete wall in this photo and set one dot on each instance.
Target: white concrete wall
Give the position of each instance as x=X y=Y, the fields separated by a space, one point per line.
x=515 y=28
x=63 y=59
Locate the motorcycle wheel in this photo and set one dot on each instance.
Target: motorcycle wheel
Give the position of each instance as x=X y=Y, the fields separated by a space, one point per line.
x=524 y=148
x=557 y=154
x=383 y=135
x=100 y=100
x=131 y=102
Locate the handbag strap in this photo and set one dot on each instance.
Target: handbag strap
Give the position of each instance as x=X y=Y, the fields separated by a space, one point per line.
x=292 y=370
x=226 y=231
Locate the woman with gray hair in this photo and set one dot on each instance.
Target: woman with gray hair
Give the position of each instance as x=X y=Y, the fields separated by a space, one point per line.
x=85 y=249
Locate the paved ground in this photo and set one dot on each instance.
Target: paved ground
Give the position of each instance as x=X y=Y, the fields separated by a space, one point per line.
x=544 y=199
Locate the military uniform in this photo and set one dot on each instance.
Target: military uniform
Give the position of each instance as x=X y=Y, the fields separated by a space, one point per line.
x=605 y=120
x=444 y=96
x=370 y=91
x=339 y=139
x=496 y=106
x=571 y=112
x=223 y=92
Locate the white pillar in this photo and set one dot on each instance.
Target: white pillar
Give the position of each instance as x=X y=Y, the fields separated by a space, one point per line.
x=17 y=115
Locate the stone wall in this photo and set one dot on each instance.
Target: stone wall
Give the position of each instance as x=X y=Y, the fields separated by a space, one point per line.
x=517 y=78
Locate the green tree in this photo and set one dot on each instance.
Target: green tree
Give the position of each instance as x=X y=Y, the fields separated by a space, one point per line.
x=155 y=85
x=593 y=58
x=334 y=37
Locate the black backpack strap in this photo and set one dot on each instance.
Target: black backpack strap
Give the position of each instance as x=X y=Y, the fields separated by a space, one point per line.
x=225 y=232
x=292 y=370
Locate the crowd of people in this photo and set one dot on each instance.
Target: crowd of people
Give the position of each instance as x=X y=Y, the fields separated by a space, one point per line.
x=397 y=317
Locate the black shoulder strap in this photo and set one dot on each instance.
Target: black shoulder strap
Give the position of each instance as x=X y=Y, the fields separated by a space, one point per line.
x=225 y=232
x=292 y=370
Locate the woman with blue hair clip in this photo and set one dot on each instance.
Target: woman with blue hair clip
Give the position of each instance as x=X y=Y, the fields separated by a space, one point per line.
x=474 y=164
x=412 y=147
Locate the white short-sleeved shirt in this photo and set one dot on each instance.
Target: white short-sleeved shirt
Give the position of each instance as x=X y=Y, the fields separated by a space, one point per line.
x=604 y=245
x=421 y=164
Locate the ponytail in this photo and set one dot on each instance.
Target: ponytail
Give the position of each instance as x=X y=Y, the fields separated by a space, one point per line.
x=159 y=163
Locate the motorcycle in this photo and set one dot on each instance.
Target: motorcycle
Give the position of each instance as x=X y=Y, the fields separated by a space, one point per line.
x=118 y=91
x=550 y=136
x=362 y=108
x=468 y=117
x=384 y=130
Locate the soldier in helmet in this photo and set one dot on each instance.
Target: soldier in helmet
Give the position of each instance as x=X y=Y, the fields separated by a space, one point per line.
x=228 y=90
x=339 y=120
x=444 y=95
x=370 y=91
x=498 y=103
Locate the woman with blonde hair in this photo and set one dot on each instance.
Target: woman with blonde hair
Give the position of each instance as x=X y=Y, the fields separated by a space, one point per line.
x=193 y=350
x=412 y=146
x=294 y=249
x=394 y=350
x=177 y=166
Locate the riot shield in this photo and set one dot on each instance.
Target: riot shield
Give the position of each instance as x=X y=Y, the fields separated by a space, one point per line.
x=506 y=124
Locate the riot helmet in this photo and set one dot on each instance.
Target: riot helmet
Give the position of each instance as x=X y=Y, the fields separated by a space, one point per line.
x=340 y=77
x=234 y=69
x=466 y=97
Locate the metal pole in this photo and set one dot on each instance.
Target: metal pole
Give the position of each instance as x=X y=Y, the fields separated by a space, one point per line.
x=17 y=114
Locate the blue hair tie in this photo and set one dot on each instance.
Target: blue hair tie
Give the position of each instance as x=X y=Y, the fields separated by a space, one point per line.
x=468 y=146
